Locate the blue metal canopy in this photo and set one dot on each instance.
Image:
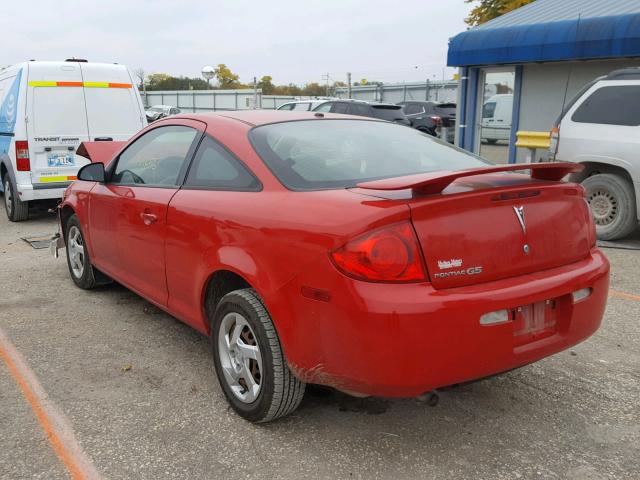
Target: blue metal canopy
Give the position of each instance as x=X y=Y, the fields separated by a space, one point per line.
x=552 y=30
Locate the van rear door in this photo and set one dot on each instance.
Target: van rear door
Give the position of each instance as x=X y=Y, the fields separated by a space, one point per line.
x=114 y=108
x=56 y=122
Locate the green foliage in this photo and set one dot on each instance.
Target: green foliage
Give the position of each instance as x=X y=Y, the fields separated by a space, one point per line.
x=226 y=78
x=490 y=9
x=162 y=81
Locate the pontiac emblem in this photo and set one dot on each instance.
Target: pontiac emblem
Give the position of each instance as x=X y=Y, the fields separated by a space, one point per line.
x=520 y=214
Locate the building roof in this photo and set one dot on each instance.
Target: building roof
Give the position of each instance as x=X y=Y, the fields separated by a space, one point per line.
x=552 y=30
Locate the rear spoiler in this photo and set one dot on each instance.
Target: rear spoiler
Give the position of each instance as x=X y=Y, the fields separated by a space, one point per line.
x=99 y=152
x=436 y=182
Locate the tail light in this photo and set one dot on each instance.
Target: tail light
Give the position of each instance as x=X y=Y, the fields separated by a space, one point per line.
x=389 y=254
x=22 y=156
x=436 y=119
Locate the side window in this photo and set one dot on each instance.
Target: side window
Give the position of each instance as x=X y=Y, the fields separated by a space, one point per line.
x=488 y=110
x=618 y=105
x=156 y=158
x=325 y=107
x=214 y=167
x=301 y=106
x=287 y=106
x=359 y=109
x=339 y=107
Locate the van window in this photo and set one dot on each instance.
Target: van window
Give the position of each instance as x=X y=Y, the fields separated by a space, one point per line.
x=58 y=111
x=488 y=110
x=112 y=111
x=617 y=105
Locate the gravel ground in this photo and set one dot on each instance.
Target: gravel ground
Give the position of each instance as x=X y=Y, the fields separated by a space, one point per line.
x=139 y=390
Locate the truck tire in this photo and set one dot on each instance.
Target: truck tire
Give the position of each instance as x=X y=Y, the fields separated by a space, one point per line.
x=612 y=201
x=249 y=361
x=16 y=209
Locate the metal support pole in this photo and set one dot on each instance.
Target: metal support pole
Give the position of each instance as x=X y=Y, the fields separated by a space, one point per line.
x=349 y=84
x=255 y=93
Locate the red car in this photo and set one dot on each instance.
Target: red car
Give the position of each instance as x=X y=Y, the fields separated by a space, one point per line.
x=337 y=250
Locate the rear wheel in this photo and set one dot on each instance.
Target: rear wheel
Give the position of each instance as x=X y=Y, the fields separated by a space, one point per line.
x=613 y=204
x=249 y=361
x=16 y=209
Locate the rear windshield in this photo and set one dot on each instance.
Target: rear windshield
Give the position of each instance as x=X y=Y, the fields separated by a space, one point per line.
x=446 y=109
x=326 y=154
x=391 y=112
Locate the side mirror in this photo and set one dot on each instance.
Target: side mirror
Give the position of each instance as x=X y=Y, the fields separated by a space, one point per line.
x=94 y=172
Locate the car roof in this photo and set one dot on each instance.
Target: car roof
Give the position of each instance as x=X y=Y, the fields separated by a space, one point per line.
x=263 y=117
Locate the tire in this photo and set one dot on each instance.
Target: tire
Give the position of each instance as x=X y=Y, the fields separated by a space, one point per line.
x=16 y=209
x=612 y=201
x=255 y=378
x=80 y=268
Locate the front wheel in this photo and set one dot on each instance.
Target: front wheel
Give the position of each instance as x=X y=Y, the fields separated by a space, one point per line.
x=249 y=361
x=16 y=209
x=80 y=267
x=613 y=204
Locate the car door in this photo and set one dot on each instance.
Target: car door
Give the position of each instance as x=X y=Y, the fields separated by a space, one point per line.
x=203 y=229
x=127 y=214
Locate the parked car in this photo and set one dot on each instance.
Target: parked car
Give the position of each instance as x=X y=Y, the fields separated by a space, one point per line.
x=303 y=105
x=383 y=111
x=600 y=129
x=157 y=112
x=431 y=117
x=66 y=103
x=330 y=249
x=496 y=118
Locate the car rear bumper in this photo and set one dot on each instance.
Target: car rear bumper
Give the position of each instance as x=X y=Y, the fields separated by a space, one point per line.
x=45 y=191
x=406 y=339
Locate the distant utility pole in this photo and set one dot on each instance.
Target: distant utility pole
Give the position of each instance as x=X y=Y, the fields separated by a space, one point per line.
x=326 y=78
x=349 y=84
x=255 y=93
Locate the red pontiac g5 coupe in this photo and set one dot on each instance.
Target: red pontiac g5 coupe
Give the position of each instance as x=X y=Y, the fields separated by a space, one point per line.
x=337 y=250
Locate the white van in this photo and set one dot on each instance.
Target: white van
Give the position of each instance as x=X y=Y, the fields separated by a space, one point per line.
x=496 y=118
x=46 y=110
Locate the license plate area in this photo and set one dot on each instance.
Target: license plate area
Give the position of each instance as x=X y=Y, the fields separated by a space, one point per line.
x=61 y=159
x=534 y=322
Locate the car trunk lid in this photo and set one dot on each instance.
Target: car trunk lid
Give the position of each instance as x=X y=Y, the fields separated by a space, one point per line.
x=480 y=227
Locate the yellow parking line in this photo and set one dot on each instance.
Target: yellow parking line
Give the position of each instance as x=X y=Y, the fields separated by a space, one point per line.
x=53 y=422
x=627 y=296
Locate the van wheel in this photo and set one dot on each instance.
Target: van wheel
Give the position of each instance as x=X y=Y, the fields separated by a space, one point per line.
x=249 y=361
x=16 y=209
x=613 y=204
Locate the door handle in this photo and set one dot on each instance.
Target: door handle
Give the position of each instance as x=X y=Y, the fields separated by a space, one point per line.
x=148 y=218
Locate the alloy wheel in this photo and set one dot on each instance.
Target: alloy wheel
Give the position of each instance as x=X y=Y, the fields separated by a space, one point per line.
x=240 y=357
x=75 y=250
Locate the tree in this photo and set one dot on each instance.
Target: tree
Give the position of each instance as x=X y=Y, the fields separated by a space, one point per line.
x=226 y=78
x=490 y=9
x=267 y=86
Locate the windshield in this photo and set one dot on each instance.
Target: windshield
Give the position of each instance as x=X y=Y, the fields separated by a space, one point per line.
x=157 y=109
x=325 y=154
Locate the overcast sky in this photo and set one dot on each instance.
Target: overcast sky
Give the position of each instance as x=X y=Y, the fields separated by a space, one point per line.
x=292 y=40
